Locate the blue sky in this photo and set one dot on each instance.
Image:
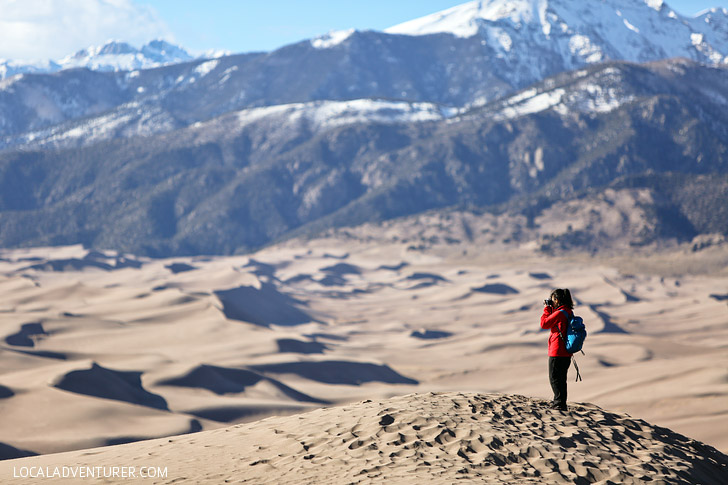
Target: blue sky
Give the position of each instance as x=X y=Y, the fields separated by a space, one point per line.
x=52 y=29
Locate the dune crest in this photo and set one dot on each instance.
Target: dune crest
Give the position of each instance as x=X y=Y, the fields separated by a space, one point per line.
x=437 y=437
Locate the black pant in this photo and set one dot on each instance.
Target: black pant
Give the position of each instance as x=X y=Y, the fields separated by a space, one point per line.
x=558 y=368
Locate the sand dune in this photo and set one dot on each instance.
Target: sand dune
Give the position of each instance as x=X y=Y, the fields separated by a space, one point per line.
x=431 y=438
x=134 y=348
x=106 y=383
x=91 y=260
x=180 y=267
x=497 y=289
x=6 y=392
x=338 y=372
x=288 y=345
x=8 y=452
x=27 y=335
x=224 y=380
x=262 y=306
x=430 y=334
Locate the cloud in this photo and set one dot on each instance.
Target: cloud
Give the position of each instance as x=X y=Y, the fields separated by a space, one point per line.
x=52 y=29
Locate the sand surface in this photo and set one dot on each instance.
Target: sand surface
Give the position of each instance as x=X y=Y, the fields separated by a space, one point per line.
x=97 y=348
x=434 y=437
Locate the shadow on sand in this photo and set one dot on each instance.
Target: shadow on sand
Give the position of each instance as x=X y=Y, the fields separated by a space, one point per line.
x=265 y=306
x=125 y=386
x=228 y=380
x=338 y=372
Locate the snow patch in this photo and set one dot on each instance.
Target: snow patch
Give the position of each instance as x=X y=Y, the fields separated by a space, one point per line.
x=131 y=120
x=215 y=54
x=504 y=40
x=582 y=46
x=524 y=105
x=528 y=93
x=538 y=165
x=630 y=26
x=7 y=82
x=333 y=38
x=544 y=18
x=226 y=75
x=655 y=4
x=601 y=100
x=206 y=67
x=327 y=114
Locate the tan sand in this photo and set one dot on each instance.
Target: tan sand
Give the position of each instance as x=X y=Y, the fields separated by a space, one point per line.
x=430 y=438
x=97 y=349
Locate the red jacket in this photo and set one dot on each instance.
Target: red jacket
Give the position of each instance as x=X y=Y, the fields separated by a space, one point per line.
x=554 y=319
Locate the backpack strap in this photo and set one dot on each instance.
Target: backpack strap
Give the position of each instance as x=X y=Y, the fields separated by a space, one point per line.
x=578 y=375
x=568 y=320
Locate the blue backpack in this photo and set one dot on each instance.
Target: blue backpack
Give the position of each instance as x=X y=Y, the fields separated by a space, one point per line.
x=575 y=334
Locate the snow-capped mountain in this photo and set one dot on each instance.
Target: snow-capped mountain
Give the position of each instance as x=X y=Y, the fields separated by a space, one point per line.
x=531 y=33
x=120 y=56
x=466 y=56
x=112 y=56
x=523 y=41
x=486 y=103
x=9 y=68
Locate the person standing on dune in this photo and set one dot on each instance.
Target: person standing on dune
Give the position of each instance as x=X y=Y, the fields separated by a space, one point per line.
x=557 y=313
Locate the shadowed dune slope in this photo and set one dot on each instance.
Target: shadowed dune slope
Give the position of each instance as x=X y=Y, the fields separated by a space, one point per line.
x=223 y=380
x=110 y=384
x=264 y=306
x=300 y=347
x=9 y=452
x=338 y=372
x=497 y=289
x=6 y=392
x=24 y=338
x=435 y=437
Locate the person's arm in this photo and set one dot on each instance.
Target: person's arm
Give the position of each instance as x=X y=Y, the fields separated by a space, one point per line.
x=549 y=317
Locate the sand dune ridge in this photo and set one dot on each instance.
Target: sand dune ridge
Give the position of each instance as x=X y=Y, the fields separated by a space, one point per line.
x=436 y=437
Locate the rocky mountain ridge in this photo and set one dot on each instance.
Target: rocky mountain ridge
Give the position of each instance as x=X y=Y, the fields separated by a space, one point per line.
x=225 y=155
x=251 y=177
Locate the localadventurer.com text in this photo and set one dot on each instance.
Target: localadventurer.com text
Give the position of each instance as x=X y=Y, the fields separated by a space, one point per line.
x=89 y=472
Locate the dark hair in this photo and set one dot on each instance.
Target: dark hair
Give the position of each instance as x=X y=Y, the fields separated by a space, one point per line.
x=564 y=297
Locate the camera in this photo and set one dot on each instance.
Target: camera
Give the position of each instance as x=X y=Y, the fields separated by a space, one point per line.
x=548 y=302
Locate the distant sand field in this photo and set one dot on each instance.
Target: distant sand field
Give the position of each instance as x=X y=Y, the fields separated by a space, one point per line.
x=99 y=349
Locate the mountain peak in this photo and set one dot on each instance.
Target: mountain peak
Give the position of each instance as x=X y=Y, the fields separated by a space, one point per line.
x=464 y=20
x=112 y=47
x=115 y=55
x=163 y=52
x=581 y=32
